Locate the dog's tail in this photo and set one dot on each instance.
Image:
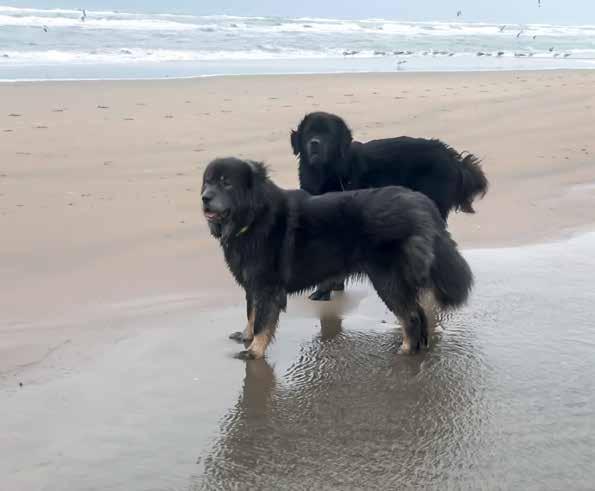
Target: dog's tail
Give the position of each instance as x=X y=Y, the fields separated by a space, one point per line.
x=450 y=273
x=472 y=181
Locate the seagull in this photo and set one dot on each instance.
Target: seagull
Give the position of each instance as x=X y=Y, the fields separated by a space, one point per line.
x=502 y=28
x=535 y=36
x=539 y=3
x=520 y=32
x=459 y=13
x=45 y=28
x=84 y=16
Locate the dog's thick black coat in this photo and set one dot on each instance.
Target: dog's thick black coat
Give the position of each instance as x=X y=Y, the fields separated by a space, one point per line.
x=329 y=160
x=278 y=242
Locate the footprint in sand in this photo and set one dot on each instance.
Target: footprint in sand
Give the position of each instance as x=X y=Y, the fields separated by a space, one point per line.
x=309 y=97
x=273 y=98
x=227 y=100
x=398 y=97
x=7 y=131
x=188 y=102
x=168 y=116
x=128 y=119
x=102 y=107
x=23 y=153
x=58 y=110
x=348 y=95
x=14 y=115
x=41 y=127
x=140 y=104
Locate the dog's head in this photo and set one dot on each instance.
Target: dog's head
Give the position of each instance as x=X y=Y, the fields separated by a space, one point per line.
x=321 y=138
x=229 y=195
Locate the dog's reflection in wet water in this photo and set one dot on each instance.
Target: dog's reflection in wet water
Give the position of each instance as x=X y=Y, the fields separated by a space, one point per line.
x=348 y=412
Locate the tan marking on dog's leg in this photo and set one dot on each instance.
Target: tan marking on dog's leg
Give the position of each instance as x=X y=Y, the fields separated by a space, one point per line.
x=406 y=343
x=406 y=346
x=260 y=343
x=430 y=306
x=249 y=331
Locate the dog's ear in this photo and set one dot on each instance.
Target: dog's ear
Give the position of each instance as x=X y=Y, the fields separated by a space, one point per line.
x=346 y=138
x=295 y=142
x=258 y=172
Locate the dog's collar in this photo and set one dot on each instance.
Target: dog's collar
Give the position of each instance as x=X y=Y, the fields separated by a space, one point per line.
x=242 y=231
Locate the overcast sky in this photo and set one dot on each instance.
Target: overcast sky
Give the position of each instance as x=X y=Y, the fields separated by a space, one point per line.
x=510 y=11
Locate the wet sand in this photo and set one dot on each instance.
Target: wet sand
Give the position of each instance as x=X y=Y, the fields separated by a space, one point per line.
x=505 y=399
x=116 y=303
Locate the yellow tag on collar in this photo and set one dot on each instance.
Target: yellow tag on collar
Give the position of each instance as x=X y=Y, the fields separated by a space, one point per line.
x=242 y=231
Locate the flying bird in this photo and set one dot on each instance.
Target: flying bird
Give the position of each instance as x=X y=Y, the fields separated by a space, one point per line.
x=84 y=16
x=520 y=32
x=45 y=28
x=459 y=13
x=502 y=28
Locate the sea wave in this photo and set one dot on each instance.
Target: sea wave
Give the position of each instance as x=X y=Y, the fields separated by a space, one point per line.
x=69 y=18
x=127 y=55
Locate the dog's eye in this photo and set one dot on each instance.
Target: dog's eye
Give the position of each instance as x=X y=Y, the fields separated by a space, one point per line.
x=224 y=182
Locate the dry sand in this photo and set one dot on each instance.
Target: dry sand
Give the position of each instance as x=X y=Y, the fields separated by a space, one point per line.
x=99 y=181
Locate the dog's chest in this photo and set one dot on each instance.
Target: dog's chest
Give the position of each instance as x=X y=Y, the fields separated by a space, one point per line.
x=249 y=265
x=241 y=266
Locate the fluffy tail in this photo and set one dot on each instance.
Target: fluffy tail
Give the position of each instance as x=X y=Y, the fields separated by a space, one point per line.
x=450 y=273
x=472 y=181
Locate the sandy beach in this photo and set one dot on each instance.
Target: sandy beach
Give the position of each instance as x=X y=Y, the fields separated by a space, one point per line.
x=105 y=256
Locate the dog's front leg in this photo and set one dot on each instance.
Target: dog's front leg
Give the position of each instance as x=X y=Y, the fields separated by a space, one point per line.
x=266 y=308
x=247 y=334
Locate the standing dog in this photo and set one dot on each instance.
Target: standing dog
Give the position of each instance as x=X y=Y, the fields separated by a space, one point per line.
x=329 y=160
x=279 y=242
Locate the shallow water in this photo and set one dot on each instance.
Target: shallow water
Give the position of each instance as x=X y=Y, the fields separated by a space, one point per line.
x=505 y=398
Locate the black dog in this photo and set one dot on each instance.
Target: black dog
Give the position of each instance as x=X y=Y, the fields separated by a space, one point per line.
x=278 y=242
x=331 y=161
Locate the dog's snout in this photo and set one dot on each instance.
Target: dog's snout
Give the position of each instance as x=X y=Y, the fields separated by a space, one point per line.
x=207 y=196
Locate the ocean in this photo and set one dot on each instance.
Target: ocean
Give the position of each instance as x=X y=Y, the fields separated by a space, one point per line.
x=55 y=44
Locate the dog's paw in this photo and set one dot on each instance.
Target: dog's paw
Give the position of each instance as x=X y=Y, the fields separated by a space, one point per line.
x=240 y=337
x=320 y=296
x=237 y=336
x=246 y=355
